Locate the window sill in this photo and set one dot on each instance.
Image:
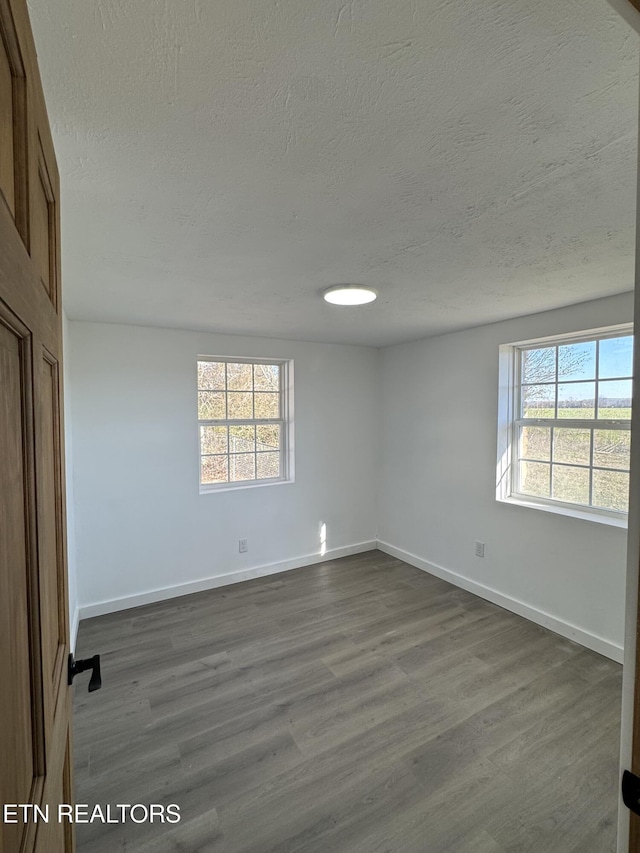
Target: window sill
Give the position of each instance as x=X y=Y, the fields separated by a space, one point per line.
x=572 y=512
x=250 y=484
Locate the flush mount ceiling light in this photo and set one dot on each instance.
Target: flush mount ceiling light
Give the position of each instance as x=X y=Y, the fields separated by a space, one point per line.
x=349 y=294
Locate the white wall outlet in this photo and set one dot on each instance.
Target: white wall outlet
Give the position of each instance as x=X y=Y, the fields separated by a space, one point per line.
x=243 y=545
x=479 y=549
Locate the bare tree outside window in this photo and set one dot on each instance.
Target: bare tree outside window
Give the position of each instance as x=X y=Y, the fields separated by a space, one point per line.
x=572 y=430
x=242 y=421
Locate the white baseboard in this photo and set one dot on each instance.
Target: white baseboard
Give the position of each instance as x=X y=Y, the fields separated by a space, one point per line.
x=73 y=633
x=112 y=605
x=546 y=620
x=565 y=629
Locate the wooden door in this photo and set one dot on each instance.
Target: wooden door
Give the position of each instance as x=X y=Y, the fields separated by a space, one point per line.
x=35 y=706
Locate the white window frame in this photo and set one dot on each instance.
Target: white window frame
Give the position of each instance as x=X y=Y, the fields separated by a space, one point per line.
x=287 y=467
x=510 y=421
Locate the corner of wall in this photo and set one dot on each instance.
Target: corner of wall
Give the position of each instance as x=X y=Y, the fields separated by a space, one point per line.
x=588 y=639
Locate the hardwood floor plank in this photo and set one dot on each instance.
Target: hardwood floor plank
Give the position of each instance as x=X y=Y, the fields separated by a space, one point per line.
x=199 y=835
x=439 y=823
x=564 y=734
x=333 y=825
x=544 y=816
x=356 y=706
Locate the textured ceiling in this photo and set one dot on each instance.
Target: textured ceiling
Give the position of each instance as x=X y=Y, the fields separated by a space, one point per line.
x=223 y=161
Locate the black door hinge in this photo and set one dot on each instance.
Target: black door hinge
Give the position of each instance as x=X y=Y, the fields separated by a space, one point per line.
x=631 y=791
x=76 y=666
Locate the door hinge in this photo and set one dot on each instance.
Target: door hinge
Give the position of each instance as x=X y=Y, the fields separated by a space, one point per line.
x=76 y=666
x=631 y=791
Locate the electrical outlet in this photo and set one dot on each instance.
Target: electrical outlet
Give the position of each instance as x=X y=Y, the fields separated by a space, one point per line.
x=243 y=545
x=479 y=549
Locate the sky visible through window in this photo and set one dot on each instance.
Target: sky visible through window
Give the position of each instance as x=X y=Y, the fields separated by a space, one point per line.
x=572 y=369
x=573 y=433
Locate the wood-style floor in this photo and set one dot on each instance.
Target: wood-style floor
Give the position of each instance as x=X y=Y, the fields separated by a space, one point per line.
x=357 y=706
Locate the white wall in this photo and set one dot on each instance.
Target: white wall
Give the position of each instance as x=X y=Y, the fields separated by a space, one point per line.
x=143 y=531
x=439 y=401
x=68 y=450
x=424 y=487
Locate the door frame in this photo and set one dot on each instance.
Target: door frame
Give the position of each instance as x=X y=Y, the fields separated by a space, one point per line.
x=628 y=824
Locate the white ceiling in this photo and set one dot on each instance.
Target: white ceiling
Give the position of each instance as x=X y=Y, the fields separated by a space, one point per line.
x=223 y=161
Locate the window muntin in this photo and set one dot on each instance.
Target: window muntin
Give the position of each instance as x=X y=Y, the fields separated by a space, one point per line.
x=571 y=432
x=242 y=421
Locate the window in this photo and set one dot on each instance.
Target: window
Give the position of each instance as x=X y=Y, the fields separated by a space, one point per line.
x=244 y=421
x=564 y=423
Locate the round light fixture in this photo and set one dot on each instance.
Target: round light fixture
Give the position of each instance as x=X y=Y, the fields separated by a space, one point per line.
x=349 y=294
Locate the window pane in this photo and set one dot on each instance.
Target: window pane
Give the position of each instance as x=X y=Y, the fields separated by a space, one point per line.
x=213 y=439
x=576 y=400
x=572 y=445
x=535 y=443
x=268 y=436
x=268 y=465
x=616 y=357
x=211 y=405
x=240 y=405
x=267 y=405
x=211 y=375
x=614 y=400
x=534 y=479
x=571 y=484
x=242 y=467
x=611 y=448
x=538 y=401
x=239 y=377
x=213 y=469
x=539 y=365
x=577 y=361
x=242 y=439
x=266 y=377
x=611 y=490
